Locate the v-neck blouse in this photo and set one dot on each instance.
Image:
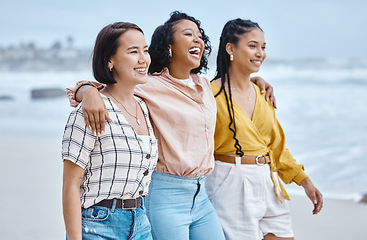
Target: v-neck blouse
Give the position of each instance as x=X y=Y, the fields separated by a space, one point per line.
x=257 y=136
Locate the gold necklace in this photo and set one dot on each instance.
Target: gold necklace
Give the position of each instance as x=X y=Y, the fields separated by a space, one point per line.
x=248 y=97
x=136 y=111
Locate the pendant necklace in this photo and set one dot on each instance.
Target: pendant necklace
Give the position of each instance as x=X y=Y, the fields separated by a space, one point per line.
x=136 y=111
x=248 y=97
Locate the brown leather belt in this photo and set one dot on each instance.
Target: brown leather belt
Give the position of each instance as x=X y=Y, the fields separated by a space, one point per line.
x=122 y=203
x=259 y=160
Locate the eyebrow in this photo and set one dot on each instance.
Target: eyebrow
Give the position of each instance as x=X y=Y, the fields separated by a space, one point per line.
x=135 y=47
x=187 y=29
x=255 y=41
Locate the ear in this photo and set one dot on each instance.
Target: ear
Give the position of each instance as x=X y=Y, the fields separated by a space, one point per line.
x=229 y=48
x=110 y=64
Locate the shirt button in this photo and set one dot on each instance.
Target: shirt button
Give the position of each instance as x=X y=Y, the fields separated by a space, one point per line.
x=146 y=172
x=147 y=156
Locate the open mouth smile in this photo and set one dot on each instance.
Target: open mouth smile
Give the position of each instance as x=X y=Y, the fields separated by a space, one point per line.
x=195 y=51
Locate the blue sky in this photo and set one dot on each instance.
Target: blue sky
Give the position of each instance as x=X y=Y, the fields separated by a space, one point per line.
x=293 y=28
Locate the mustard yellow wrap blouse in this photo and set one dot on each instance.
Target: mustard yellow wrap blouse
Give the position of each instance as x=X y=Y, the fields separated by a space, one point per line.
x=257 y=136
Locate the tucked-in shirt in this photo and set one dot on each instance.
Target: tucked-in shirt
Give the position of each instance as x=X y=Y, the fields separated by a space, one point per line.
x=183 y=120
x=257 y=136
x=116 y=164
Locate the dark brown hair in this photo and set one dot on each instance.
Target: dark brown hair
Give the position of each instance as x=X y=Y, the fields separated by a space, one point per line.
x=105 y=47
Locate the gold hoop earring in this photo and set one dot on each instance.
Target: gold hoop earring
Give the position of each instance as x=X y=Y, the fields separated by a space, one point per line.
x=231 y=58
x=170 y=52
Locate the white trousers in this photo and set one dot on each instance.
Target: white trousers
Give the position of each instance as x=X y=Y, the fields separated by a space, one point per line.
x=248 y=208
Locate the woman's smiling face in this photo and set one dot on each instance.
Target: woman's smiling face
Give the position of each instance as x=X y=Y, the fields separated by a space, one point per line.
x=249 y=52
x=188 y=45
x=131 y=60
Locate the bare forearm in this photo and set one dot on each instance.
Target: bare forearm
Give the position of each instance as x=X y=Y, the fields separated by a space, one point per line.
x=72 y=212
x=313 y=194
x=72 y=178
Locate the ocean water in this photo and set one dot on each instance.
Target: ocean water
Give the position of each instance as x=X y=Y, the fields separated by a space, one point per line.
x=321 y=105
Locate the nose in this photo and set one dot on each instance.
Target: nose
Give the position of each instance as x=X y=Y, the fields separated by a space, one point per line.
x=144 y=58
x=197 y=38
x=260 y=52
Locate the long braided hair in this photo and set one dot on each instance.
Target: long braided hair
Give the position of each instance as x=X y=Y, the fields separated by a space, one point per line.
x=231 y=33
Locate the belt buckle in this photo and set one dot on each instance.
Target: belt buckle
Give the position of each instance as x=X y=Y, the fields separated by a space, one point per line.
x=130 y=208
x=257 y=160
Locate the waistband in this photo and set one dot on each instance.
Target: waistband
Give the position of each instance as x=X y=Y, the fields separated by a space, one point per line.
x=176 y=179
x=122 y=203
x=259 y=160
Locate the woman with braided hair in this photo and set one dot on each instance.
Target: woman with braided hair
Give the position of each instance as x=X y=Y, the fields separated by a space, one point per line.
x=250 y=151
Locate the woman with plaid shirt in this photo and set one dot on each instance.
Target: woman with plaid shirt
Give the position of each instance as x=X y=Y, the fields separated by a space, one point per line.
x=107 y=176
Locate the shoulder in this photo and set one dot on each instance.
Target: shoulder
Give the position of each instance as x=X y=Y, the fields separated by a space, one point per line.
x=154 y=81
x=141 y=103
x=200 y=79
x=261 y=96
x=215 y=86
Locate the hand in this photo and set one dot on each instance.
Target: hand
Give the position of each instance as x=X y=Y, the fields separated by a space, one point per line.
x=313 y=194
x=94 y=110
x=264 y=86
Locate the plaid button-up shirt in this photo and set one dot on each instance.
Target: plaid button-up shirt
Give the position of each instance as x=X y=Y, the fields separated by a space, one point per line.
x=117 y=164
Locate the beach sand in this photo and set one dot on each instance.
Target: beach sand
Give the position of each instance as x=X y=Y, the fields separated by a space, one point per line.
x=338 y=220
x=31 y=180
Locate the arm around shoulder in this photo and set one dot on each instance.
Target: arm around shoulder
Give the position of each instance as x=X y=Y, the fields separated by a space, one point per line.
x=265 y=86
x=94 y=109
x=72 y=92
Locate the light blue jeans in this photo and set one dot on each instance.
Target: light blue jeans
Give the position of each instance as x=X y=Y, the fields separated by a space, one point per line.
x=104 y=223
x=179 y=208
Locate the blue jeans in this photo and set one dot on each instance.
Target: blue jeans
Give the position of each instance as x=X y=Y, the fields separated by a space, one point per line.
x=104 y=223
x=178 y=208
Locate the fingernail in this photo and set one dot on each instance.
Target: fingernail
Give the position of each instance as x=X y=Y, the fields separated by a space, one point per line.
x=262 y=91
x=315 y=201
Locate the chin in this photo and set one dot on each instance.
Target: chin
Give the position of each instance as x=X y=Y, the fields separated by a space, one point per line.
x=195 y=65
x=142 y=80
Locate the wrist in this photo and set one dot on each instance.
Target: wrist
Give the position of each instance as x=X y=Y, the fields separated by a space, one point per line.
x=88 y=91
x=306 y=182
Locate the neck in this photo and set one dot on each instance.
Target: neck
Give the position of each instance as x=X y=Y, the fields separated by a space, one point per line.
x=124 y=93
x=178 y=71
x=239 y=80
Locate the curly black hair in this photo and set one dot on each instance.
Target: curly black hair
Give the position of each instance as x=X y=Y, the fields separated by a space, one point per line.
x=163 y=37
x=231 y=33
